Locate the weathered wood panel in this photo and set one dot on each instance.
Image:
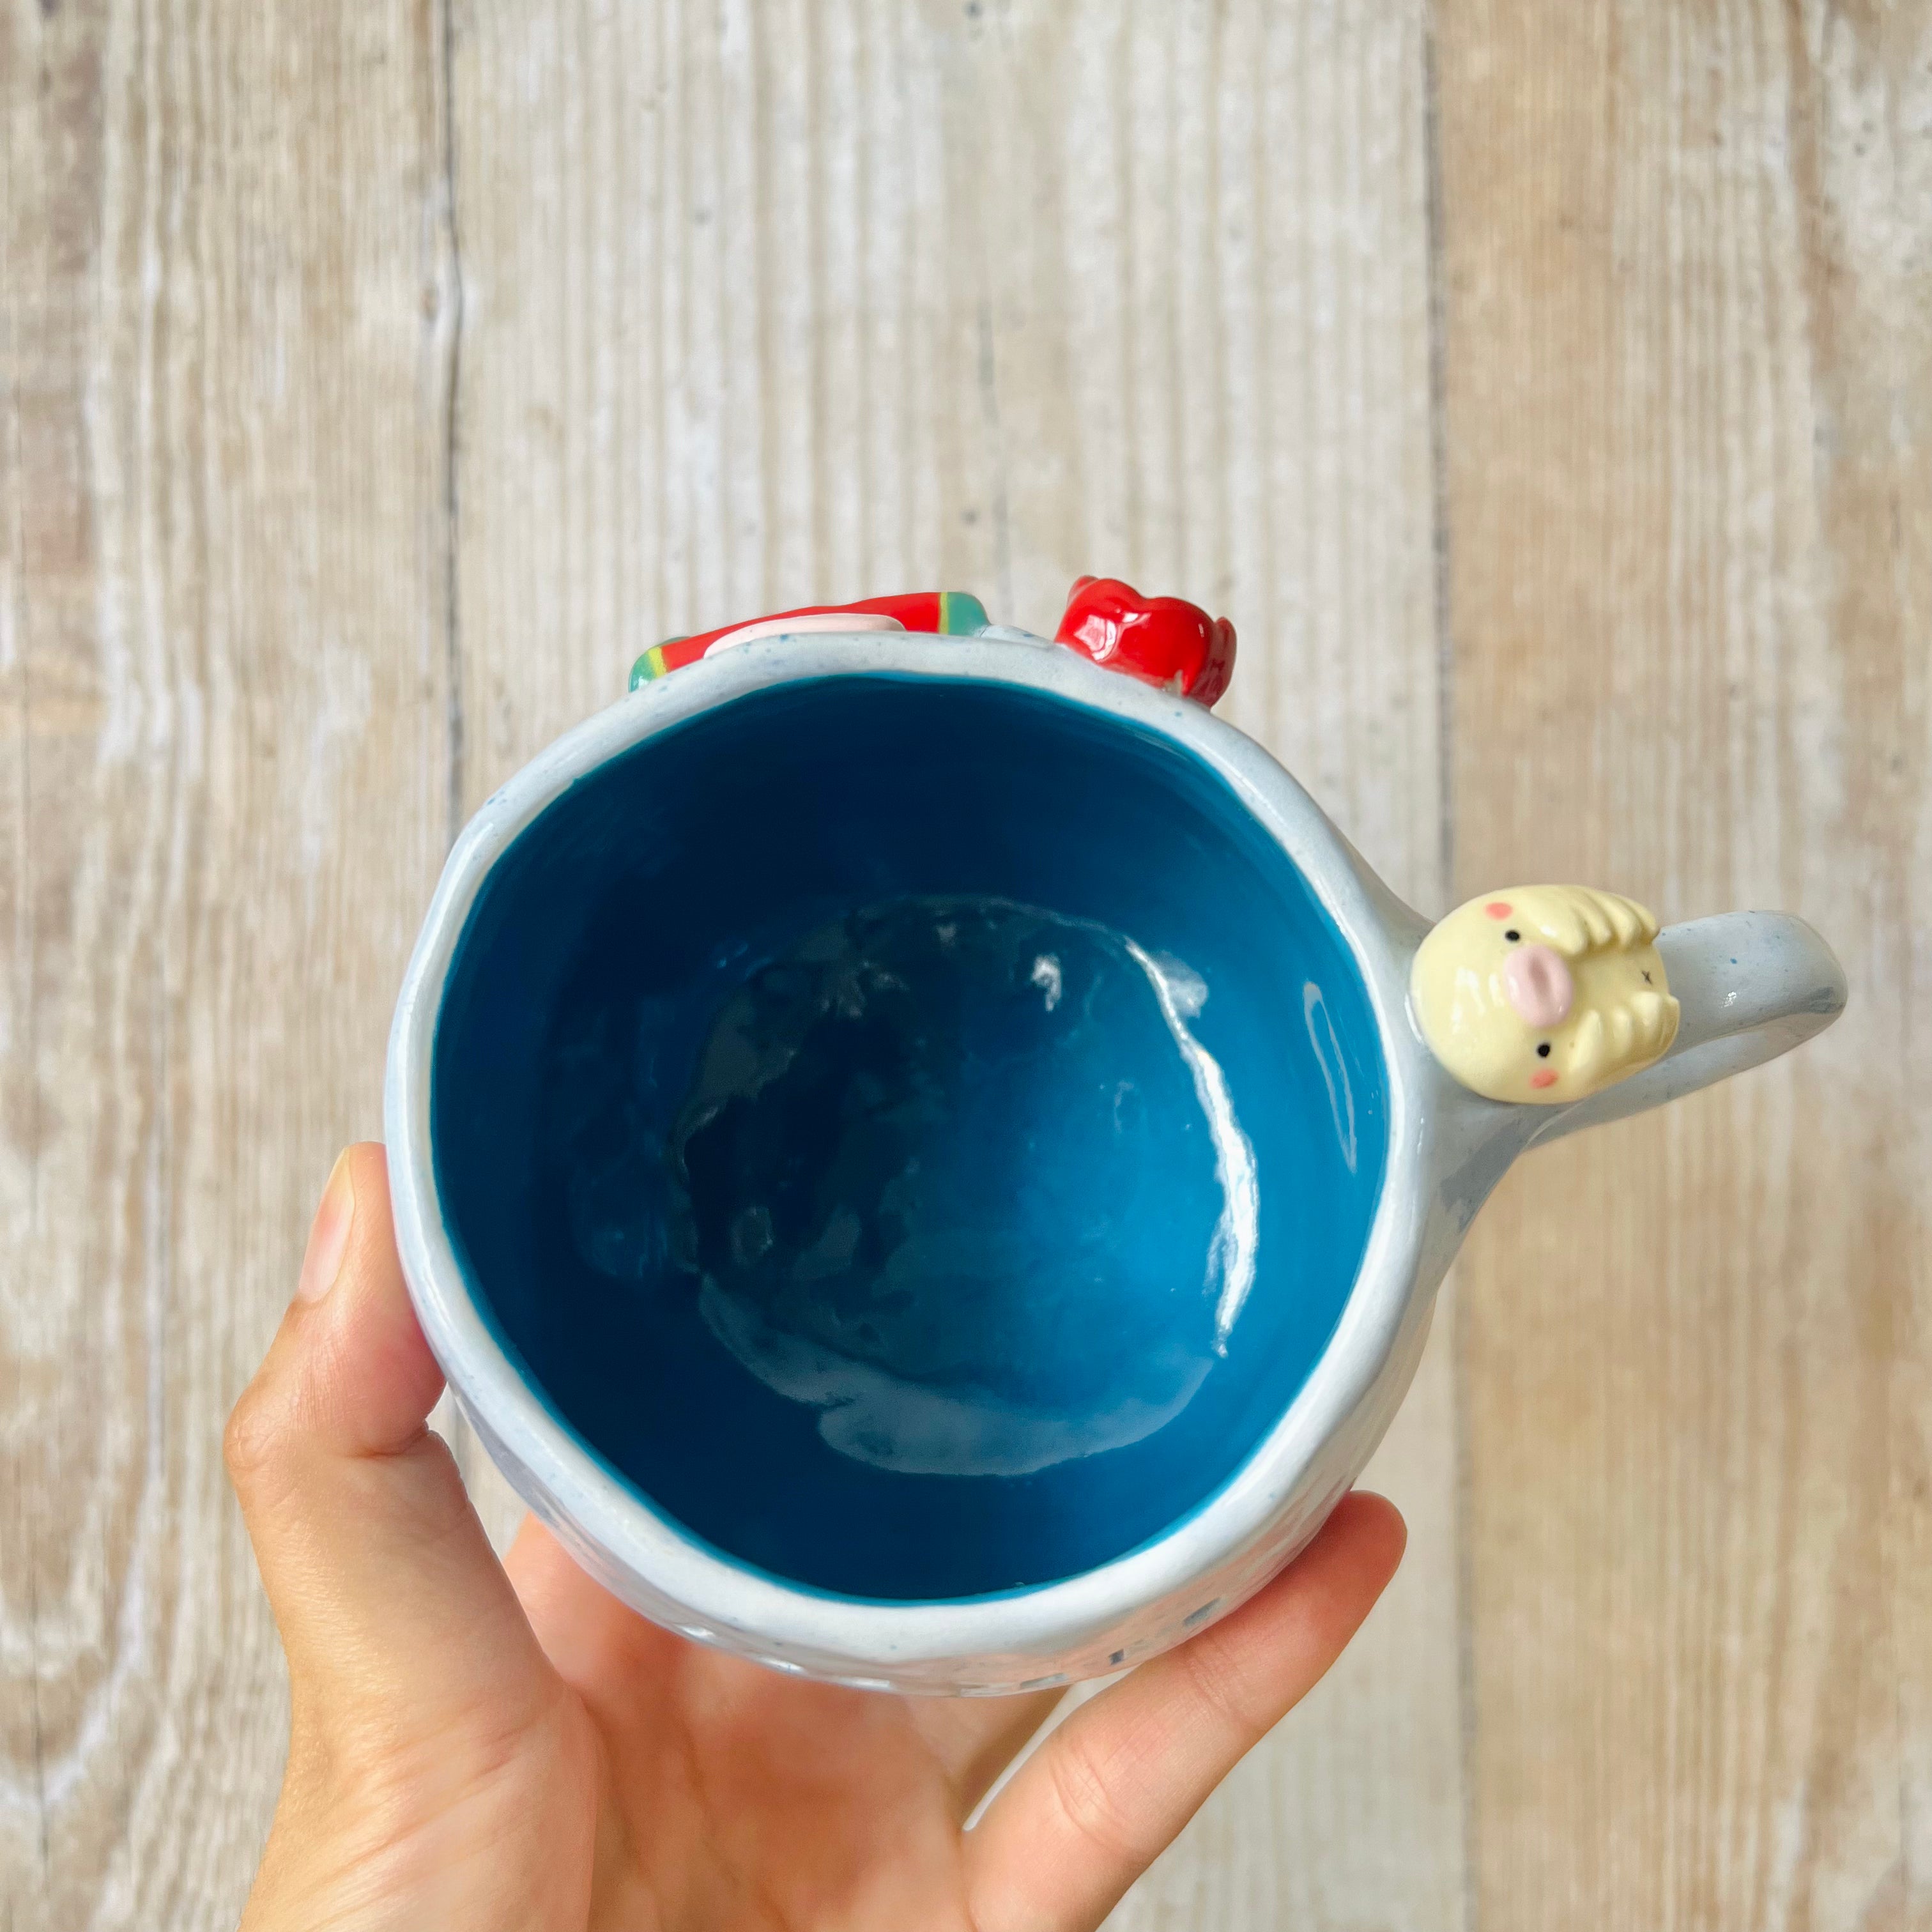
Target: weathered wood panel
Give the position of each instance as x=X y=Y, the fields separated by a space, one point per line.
x=765 y=302
x=224 y=328
x=769 y=304
x=1688 y=277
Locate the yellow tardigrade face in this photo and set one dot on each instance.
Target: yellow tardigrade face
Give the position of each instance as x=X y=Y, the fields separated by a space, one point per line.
x=1543 y=993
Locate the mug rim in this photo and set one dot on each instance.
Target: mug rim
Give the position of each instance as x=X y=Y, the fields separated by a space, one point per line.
x=774 y=1616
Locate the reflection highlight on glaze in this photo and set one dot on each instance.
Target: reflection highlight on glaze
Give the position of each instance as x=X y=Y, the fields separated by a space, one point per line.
x=1334 y=1067
x=1182 y=994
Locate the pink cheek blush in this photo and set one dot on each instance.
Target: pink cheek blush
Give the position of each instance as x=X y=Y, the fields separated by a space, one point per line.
x=1543 y=1077
x=1497 y=909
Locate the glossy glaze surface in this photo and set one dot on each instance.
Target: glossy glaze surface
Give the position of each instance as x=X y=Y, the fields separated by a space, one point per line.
x=1161 y=640
x=898 y=1265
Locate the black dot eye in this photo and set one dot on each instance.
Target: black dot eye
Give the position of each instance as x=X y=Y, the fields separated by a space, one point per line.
x=1543 y=1049
x=1512 y=934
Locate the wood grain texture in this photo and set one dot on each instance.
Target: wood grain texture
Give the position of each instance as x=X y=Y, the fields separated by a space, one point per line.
x=769 y=304
x=1688 y=275
x=225 y=797
x=354 y=438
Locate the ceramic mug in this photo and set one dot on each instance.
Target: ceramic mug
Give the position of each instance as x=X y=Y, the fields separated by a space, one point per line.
x=809 y=1343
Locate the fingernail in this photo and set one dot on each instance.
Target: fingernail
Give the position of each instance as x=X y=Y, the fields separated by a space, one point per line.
x=329 y=1235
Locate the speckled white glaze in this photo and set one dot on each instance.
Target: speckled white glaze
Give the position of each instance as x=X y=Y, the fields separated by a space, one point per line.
x=1752 y=984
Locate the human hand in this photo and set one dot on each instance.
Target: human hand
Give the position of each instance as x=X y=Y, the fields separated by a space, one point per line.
x=477 y=1745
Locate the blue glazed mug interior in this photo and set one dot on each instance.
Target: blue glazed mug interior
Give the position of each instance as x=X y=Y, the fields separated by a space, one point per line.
x=919 y=1133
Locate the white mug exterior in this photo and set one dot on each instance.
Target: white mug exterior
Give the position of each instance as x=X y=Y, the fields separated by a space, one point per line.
x=1447 y=1148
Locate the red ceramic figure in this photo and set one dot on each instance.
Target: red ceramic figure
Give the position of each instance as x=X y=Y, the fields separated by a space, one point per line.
x=1159 y=640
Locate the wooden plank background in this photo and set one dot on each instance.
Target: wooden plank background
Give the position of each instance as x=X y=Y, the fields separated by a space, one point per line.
x=1546 y=393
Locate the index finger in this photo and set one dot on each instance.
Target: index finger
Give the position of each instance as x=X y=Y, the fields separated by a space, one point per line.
x=1112 y=1788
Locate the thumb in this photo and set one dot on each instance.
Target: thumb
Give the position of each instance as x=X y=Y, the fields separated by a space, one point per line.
x=390 y=1603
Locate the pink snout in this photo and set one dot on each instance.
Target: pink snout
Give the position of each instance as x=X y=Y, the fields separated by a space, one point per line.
x=1538 y=985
